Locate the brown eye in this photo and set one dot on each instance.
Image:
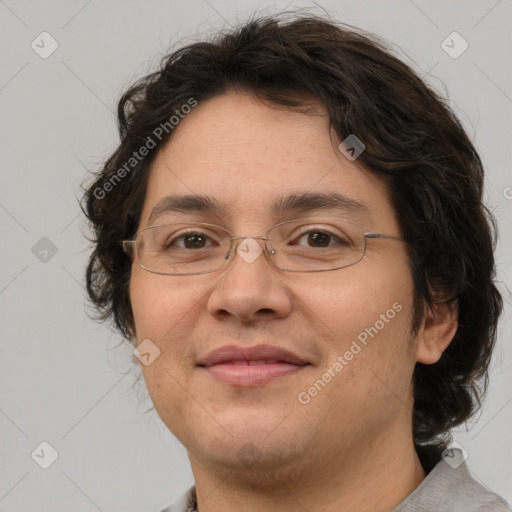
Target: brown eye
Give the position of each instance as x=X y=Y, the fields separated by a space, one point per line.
x=319 y=238
x=189 y=241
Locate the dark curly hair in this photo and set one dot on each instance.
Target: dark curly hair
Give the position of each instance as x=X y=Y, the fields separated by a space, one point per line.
x=412 y=138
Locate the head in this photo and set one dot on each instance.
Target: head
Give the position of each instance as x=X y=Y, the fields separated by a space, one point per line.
x=248 y=119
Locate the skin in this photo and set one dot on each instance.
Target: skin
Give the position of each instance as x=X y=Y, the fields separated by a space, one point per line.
x=351 y=446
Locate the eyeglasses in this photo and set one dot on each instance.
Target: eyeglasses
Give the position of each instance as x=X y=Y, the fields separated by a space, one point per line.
x=306 y=245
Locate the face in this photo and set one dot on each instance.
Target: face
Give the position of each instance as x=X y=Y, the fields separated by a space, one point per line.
x=245 y=154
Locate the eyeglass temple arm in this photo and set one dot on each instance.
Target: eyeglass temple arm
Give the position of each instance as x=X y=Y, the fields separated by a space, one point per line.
x=128 y=245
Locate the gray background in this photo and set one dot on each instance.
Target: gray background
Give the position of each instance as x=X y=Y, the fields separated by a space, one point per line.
x=66 y=380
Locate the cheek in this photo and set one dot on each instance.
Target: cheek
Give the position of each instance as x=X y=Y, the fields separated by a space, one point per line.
x=358 y=299
x=364 y=317
x=163 y=313
x=368 y=326
x=159 y=305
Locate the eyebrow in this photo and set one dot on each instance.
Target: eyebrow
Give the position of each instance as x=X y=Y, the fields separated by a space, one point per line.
x=281 y=206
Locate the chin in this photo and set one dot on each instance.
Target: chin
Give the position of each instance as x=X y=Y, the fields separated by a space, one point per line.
x=252 y=443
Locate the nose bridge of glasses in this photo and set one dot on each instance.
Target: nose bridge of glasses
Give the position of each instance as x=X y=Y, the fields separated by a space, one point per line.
x=243 y=237
x=248 y=247
x=239 y=240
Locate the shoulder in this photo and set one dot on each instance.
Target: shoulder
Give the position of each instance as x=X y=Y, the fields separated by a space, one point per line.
x=186 y=503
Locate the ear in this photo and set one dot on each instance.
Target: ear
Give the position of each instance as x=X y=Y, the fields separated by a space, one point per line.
x=437 y=331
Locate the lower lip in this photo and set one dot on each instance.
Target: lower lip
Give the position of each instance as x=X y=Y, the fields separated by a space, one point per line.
x=252 y=375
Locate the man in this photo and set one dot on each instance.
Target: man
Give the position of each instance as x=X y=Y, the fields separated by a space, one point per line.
x=292 y=234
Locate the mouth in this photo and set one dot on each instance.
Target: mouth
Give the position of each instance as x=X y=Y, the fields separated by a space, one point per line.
x=251 y=367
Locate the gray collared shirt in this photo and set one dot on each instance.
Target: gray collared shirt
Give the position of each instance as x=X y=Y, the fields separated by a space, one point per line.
x=448 y=487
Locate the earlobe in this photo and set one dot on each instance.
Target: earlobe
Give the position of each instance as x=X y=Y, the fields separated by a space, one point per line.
x=437 y=331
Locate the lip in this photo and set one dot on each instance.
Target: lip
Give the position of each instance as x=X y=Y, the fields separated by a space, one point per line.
x=251 y=366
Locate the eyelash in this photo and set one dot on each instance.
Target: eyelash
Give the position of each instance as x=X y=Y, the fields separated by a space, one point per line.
x=299 y=236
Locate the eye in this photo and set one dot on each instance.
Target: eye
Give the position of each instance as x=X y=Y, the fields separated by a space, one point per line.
x=322 y=238
x=191 y=240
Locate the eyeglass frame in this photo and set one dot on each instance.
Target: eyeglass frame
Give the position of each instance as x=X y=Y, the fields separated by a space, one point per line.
x=231 y=253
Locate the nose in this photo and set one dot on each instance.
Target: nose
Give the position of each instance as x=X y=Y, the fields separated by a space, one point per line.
x=251 y=287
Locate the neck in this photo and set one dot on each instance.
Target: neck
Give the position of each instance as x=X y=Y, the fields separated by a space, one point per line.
x=373 y=476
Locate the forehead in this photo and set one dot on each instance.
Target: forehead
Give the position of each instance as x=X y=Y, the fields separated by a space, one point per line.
x=251 y=161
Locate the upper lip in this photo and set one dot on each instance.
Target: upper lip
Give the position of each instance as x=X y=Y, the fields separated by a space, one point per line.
x=256 y=353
